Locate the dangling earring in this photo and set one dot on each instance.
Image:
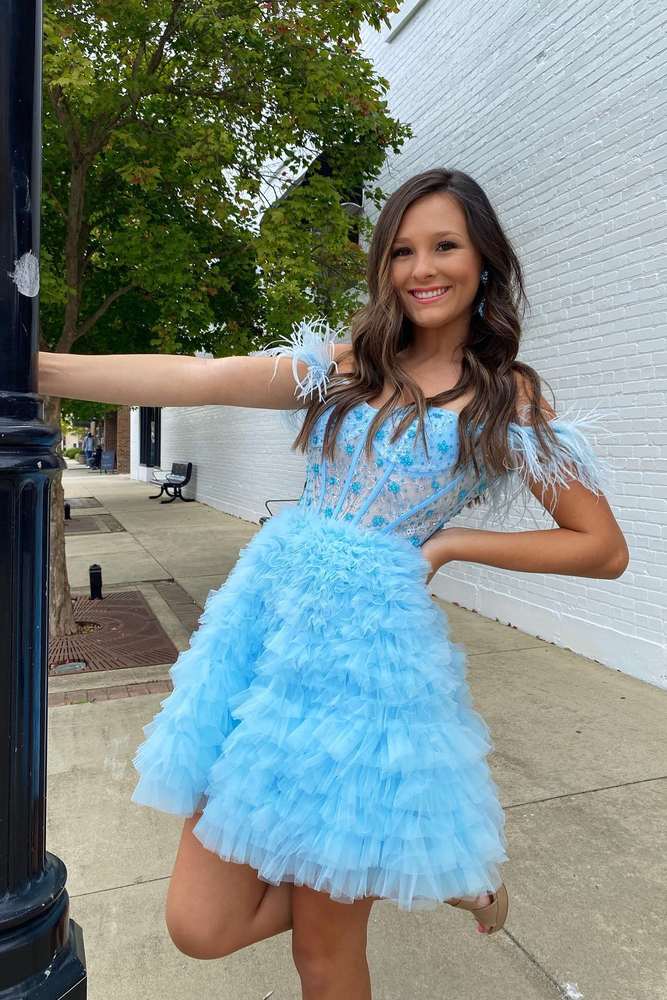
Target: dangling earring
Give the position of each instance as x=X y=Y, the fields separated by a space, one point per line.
x=484 y=277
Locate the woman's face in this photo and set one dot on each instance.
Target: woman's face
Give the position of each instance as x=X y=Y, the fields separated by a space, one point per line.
x=432 y=252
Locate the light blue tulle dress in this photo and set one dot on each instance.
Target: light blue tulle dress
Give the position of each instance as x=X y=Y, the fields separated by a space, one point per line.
x=321 y=716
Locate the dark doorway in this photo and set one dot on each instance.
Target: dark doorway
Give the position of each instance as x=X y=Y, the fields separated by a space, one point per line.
x=149 y=451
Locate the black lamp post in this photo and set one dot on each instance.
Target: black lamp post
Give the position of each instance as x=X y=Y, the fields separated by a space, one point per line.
x=41 y=949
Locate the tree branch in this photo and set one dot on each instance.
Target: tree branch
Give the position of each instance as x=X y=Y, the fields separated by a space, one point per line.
x=43 y=346
x=156 y=58
x=54 y=197
x=62 y=113
x=84 y=249
x=89 y=323
x=105 y=125
x=136 y=62
x=76 y=257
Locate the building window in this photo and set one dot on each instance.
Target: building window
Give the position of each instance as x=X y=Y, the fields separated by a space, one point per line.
x=149 y=428
x=350 y=199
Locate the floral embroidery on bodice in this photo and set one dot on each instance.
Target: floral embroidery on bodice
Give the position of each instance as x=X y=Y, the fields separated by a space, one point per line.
x=400 y=489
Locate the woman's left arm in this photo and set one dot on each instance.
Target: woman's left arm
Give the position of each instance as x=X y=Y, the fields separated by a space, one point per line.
x=587 y=542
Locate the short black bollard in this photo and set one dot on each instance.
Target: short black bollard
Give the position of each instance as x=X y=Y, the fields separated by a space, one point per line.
x=95 y=573
x=68 y=512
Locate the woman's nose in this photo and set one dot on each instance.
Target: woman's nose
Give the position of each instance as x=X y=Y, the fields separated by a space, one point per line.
x=423 y=267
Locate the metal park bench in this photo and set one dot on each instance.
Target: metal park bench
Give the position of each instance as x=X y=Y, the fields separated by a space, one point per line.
x=175 y=480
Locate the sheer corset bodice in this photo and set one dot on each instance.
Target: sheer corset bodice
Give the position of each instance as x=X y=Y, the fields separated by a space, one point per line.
x=400 y=489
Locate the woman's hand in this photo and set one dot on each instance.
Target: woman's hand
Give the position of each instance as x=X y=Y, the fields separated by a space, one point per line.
x=439 y=548
x=430 y=555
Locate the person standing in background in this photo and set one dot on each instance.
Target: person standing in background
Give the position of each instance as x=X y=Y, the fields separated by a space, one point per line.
x=88 y=447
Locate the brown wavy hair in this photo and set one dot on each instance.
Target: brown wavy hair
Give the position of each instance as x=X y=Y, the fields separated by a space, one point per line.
x=380 y=329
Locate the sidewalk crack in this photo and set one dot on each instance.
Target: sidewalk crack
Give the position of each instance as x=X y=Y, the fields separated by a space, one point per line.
x=534 y=961
x=585 y=791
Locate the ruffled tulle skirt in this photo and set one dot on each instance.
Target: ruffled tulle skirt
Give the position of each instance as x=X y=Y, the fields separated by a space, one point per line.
x=322 y=721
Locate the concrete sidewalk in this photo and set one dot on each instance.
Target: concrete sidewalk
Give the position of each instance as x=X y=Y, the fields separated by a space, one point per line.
x=580 y=760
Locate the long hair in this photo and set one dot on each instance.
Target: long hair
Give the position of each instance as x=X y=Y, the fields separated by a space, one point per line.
x=380 y=329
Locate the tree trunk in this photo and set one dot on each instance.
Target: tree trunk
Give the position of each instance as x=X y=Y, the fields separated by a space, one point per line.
x=61 y=619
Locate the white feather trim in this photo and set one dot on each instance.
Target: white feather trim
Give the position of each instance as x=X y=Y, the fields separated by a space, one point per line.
x=312 y=342
x=572 y=458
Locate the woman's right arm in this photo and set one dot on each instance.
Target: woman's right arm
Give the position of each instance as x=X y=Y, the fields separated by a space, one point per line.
x=174 y=380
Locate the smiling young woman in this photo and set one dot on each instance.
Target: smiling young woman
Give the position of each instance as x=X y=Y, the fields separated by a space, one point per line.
x=320 y=740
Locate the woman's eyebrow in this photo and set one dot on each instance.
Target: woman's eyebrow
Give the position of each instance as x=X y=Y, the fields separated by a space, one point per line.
x=444 y=232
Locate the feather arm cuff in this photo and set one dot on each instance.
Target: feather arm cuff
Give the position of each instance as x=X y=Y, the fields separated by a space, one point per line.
x=571 y=458
x=311 y=342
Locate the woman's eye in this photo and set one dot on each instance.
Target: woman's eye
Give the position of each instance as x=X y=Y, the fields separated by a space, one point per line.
x=443 y=243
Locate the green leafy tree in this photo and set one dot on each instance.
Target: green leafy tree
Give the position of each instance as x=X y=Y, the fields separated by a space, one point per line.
x=160 y=117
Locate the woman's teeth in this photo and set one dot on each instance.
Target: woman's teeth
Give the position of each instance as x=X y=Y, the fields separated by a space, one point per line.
x=438 y=293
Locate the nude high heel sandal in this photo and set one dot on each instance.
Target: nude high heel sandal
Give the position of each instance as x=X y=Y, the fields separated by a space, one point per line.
x=493 y=915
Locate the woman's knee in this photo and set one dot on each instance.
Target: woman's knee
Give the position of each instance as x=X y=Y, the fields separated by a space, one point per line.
x=319 y=958
x=319 y=972
x=210 y=903
x=216 y=936
x=195 y=941
x=326 y=933
x=316 y=971
x=203 y=939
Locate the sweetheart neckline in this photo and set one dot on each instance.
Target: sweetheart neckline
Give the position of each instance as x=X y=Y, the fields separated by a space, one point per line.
x=558 y=419
x=429 y=409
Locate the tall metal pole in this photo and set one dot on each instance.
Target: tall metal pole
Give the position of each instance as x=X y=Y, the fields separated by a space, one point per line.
x=41 y=949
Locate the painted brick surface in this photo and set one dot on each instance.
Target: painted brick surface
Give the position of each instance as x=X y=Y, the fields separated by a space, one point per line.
x=241 y=456
x=559 y=112
x=123 y=439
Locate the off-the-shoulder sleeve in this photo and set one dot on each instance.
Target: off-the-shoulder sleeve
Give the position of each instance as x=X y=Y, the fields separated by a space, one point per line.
x=572 y=458
x=311 y=342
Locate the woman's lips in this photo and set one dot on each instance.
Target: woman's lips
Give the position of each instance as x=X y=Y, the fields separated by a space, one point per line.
x=429 y=298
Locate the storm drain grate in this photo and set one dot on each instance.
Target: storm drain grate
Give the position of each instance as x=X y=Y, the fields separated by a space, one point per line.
x=76 y=502
x=92 y=524
x=119 y=630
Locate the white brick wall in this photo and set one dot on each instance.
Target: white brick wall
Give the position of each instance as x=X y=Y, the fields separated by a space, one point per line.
x=241 y=456
x=559 y=112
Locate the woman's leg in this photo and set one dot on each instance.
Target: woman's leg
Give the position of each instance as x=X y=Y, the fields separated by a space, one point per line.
x=216 y=907
x=329 y=945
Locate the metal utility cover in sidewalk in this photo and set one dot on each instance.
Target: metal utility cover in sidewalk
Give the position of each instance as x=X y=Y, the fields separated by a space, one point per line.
x=84 y=502
x=122 y=632
x=92 y=524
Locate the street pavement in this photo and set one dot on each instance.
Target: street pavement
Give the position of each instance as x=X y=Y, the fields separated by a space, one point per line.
x=580 y=760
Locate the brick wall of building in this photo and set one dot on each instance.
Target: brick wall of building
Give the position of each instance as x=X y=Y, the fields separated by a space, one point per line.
x=558 y=111
x=123 y=439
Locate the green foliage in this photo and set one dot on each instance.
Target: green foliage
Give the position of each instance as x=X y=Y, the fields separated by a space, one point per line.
x=79 y=412
x=305 y=247
x=72 y=452
x=160 y=117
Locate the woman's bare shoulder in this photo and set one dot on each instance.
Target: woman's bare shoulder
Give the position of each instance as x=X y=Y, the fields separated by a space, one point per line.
x=344 y=358
x=524 y=395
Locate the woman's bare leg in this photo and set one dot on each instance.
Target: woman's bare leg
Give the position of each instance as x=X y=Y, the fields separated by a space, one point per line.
x=329 y=945
x=216 y=907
